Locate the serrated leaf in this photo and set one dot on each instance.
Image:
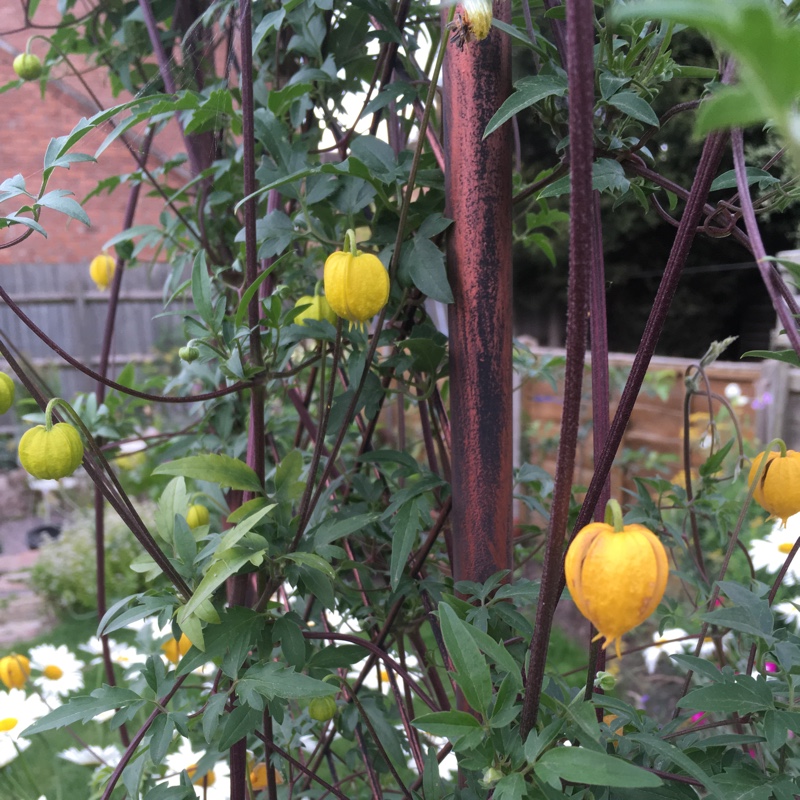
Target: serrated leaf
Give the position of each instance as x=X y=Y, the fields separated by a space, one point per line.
x=85 y=708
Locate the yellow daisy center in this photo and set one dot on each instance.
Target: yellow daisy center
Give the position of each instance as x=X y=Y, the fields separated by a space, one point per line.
x=53 y=672
x=384 y=675
x=785 y=547
x=8 y=724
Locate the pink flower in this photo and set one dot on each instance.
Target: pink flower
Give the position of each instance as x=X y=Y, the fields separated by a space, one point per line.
x=770 y=666
x=698 y=716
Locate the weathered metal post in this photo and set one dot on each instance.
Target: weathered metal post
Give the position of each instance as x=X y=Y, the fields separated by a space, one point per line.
x=477 y=79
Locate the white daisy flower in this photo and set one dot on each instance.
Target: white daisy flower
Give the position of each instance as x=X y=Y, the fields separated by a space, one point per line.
x=62 y=672
x=92 y=755
x=770 y=553
x=663 y=645
x=17 y=712
x=342 y=623
x=790 y=611
x=122 y=654
x=213 y=784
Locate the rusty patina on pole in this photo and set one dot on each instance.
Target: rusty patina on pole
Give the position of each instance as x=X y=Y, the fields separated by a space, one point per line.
x=477 y=79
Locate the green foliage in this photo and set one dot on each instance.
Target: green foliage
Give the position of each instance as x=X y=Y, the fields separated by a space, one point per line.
x=324 y=570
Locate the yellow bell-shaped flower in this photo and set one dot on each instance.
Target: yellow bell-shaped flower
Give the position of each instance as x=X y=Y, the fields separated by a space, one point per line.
x=616 y=574
x=356 y=283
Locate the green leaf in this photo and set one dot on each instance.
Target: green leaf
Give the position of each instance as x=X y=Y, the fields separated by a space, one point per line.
x=528 y=91
x=742 y=693
x=85 y=709
x=472 y=671
x=59 y=201
x=336 y=657
x=335 y=527
x=728 y=107
x=237 y=631
x=246 y=509
x=249 y=293
x=269 y=22
x=786 y=356
x=268 y=681
x=754 y=175
x=201 y=289
x=234 y=535
x=227 y=564
x=424 y=263
x=377 y=155
x=313 y=561
x=452 y=724
x=673 y=755
x=634 y=106
x=161 y=737
x=405 y=526
x=582 y=766
x=398 y=92
x=214 y=468
x=751 y=614
x=510 y=787
x=607 y=176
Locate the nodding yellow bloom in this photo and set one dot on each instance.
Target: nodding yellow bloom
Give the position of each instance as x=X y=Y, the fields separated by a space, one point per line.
x=778 y=489
x=175 y=648
x=14 y=670
x=102 y=270
x=356 y=283
x=616 y=575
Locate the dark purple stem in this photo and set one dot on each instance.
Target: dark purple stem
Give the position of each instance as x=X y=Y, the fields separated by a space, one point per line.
x=580 y=69
x=154 y=33
x=768 y=273
x=105 y=353
x=74 y=362
x=706 y=170
x=601 y=402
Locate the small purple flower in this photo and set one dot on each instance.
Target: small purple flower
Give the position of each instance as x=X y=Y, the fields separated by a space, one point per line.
x=763 y=400
x=770 y=666
x=698 y=716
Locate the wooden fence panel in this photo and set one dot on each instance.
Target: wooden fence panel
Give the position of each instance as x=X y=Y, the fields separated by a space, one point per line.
x=65 y=303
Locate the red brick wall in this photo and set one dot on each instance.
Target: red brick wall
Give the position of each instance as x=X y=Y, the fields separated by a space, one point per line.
x=27 y=124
